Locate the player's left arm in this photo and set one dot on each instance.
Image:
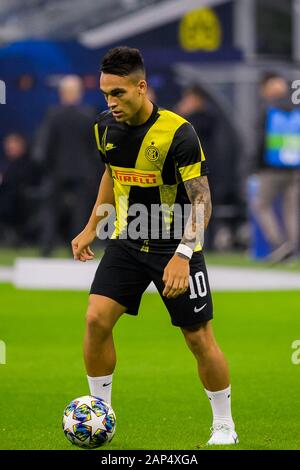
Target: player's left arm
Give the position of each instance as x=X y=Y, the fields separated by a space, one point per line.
x=192 y=170
x=199 y=195
x=176 y=273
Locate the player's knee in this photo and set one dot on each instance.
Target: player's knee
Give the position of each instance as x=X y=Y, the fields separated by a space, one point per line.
x=199 y=338
x=96 y=319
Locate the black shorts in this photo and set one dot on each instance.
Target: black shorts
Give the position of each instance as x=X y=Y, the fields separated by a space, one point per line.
x=124 y=273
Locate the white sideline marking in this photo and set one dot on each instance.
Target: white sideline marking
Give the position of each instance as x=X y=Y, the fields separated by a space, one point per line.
x=6 y=274
x=251 y=279
x=61 y=274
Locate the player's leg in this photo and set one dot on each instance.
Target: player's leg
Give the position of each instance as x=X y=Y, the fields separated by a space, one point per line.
x=117 y=288
x=214 y=374
x=99 y=349
x=192 y=312
x=291 y=209
x=212 y=366
x=262 y=206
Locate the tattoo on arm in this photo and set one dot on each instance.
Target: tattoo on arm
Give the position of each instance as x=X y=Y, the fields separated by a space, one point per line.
x=199 y=195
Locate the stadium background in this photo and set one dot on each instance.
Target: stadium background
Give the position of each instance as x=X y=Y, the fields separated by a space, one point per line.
x=224 y=47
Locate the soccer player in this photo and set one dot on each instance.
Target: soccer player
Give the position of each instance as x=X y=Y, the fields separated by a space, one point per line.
x=153 y=158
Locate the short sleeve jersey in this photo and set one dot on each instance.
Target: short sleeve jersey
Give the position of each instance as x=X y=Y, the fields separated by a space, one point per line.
x=149 y=164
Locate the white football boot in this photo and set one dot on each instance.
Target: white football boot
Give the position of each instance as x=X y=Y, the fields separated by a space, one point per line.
x=222 y=434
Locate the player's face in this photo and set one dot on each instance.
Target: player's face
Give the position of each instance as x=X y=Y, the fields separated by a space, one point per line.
x=124 y=95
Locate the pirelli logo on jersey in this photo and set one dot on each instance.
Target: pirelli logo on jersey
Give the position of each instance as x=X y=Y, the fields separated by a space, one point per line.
x=134 y=177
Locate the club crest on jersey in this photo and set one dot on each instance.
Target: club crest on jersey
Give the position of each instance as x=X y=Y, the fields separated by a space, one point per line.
x=152 y=153
x=109 y=147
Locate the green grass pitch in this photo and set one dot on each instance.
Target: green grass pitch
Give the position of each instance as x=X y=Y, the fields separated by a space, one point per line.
x=157 y=397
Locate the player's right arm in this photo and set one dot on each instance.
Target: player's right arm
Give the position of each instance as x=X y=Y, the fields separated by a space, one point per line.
x=81 y=244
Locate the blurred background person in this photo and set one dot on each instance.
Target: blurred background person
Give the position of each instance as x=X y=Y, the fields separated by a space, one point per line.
x=194 y=106
x=278 y=175
x=66 y=146
x=219 y=146
x=18 y=173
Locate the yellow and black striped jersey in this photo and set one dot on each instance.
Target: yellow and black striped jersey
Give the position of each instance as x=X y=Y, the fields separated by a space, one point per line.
x=149 y=164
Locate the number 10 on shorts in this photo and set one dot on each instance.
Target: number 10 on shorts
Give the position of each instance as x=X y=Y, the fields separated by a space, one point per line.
x=197 y=285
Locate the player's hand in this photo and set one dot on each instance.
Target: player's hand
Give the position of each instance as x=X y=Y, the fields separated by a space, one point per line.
x=176 y=277
x=80 y=245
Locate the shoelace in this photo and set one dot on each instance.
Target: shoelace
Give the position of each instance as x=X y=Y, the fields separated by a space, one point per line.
x=219 y=427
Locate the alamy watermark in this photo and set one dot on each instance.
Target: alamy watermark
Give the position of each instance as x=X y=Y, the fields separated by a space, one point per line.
x=2 y=352
x=296 y=94
x=2 y=92
x=159 y=221
x=296 y=354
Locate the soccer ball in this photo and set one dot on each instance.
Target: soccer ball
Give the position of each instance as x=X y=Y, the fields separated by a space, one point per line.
x=89 y=422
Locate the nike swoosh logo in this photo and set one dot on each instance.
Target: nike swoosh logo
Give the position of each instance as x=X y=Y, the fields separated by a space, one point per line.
x=106 y=385
x=196 y=310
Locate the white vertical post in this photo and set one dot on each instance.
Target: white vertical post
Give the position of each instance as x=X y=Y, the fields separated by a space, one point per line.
x=245 y=35
x=296 y=30
x=245 y=26
x=2 y=92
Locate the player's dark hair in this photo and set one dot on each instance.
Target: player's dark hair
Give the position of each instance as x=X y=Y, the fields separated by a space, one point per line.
x=270 y=75
x=123 y=61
